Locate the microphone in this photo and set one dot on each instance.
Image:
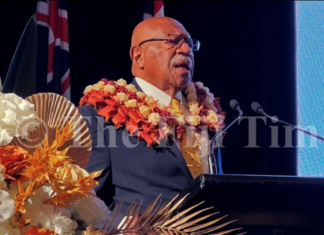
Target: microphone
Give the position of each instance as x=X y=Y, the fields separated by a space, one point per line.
x=258 y=109
x=215 y=163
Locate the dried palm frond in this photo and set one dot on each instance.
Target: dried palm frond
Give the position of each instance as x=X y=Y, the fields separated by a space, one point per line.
x=55 y=112
x=163 y=220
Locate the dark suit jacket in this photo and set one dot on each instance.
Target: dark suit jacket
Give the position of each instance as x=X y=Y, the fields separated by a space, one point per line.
x=139 y=172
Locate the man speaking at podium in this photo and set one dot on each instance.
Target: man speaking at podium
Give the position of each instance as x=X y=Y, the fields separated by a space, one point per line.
x=163 y=61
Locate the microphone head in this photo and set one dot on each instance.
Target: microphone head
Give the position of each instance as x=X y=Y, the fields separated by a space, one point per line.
x=234 y=104
x=256 y=107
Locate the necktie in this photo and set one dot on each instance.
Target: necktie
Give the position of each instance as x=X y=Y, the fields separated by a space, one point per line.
x=188 y=152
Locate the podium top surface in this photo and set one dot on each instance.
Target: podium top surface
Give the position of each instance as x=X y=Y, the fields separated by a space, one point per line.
x=261 y=178
x=261 y=181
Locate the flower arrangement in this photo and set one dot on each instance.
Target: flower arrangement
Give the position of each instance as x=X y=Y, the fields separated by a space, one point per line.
x=43 y=192
x=129 y=108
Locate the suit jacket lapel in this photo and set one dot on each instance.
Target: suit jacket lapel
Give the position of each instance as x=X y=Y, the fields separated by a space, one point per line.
x=136 y=85
x=174 y=150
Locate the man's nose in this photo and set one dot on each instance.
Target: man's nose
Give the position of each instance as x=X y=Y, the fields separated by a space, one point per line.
x=184 y=48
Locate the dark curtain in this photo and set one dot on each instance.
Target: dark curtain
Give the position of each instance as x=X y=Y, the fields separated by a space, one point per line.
x=247 y=53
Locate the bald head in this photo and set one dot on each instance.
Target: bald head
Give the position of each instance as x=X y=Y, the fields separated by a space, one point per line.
x=154 y=27
x=164 y=64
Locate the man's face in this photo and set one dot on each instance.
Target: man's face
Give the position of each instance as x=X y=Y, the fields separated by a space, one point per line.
x=171 y=63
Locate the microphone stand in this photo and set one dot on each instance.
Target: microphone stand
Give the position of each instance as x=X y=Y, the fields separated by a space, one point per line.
x=215 y=163
x=260 y=110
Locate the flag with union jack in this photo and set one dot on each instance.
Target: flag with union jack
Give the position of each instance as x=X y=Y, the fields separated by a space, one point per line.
x=153 y=9
x=53 y=66
x=41 y=59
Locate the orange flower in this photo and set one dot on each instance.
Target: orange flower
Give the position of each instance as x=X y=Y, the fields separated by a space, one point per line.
x=20 y=201
x=36 y=231
x=81 y=187
x=13 y=158
x=89 y=231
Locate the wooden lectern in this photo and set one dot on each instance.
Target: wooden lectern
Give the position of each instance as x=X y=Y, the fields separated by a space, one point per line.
x=263 y=205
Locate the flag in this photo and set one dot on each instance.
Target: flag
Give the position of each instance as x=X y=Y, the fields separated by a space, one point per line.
x=153 y=9
x=53 y=65
x=21 y=75
x=41 y=60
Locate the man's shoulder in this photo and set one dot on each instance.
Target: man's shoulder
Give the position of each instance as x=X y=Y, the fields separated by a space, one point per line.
x=90 y=114
x=87 y=109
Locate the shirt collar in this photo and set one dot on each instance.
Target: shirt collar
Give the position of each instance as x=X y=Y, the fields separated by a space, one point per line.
x=155 y=92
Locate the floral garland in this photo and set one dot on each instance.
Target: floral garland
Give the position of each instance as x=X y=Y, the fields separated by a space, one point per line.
x=129 y=108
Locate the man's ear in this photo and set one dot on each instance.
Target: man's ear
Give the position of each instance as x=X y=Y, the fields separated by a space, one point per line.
x=137 y=56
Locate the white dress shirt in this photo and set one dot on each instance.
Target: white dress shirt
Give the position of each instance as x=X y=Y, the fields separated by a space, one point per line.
x=165 y=99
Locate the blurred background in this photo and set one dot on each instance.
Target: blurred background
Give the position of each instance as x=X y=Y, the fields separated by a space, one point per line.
x=250 y=51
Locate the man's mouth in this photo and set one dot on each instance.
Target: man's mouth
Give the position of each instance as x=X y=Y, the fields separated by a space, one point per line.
x=182 y=65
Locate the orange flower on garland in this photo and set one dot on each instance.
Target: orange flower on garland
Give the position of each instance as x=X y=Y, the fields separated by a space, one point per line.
x=14 y=160
x=36 y=231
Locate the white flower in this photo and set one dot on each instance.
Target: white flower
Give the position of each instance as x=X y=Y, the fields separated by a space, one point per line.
x=109 y=88
x=88 y=89
x=140 y=95
x=160 y=106
x=17 y=117
x=44 y=211
x=214 y=109
x=48 y=216
x=99 y=85
x=192 y=97
x=199 y=84
x=190 y=89
x=149 y=100
x=168 y=130
x=194 y=108
x=7 y=229
x=131 y=87
x=91 y=210
x=174 y=111
x=7 y=206
x=209 y=102
x=206 y=89
x=154 y=118
x=191 y=93
x=210 y=95
x=200 y=141
x=121 y=82
x=145 y=110
x=3 y=184
x=181 y=120
x=122 y=97
x=212 y=117
x=62 y=224
x=58 y=222
x=131 y=103
x=193 y=120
